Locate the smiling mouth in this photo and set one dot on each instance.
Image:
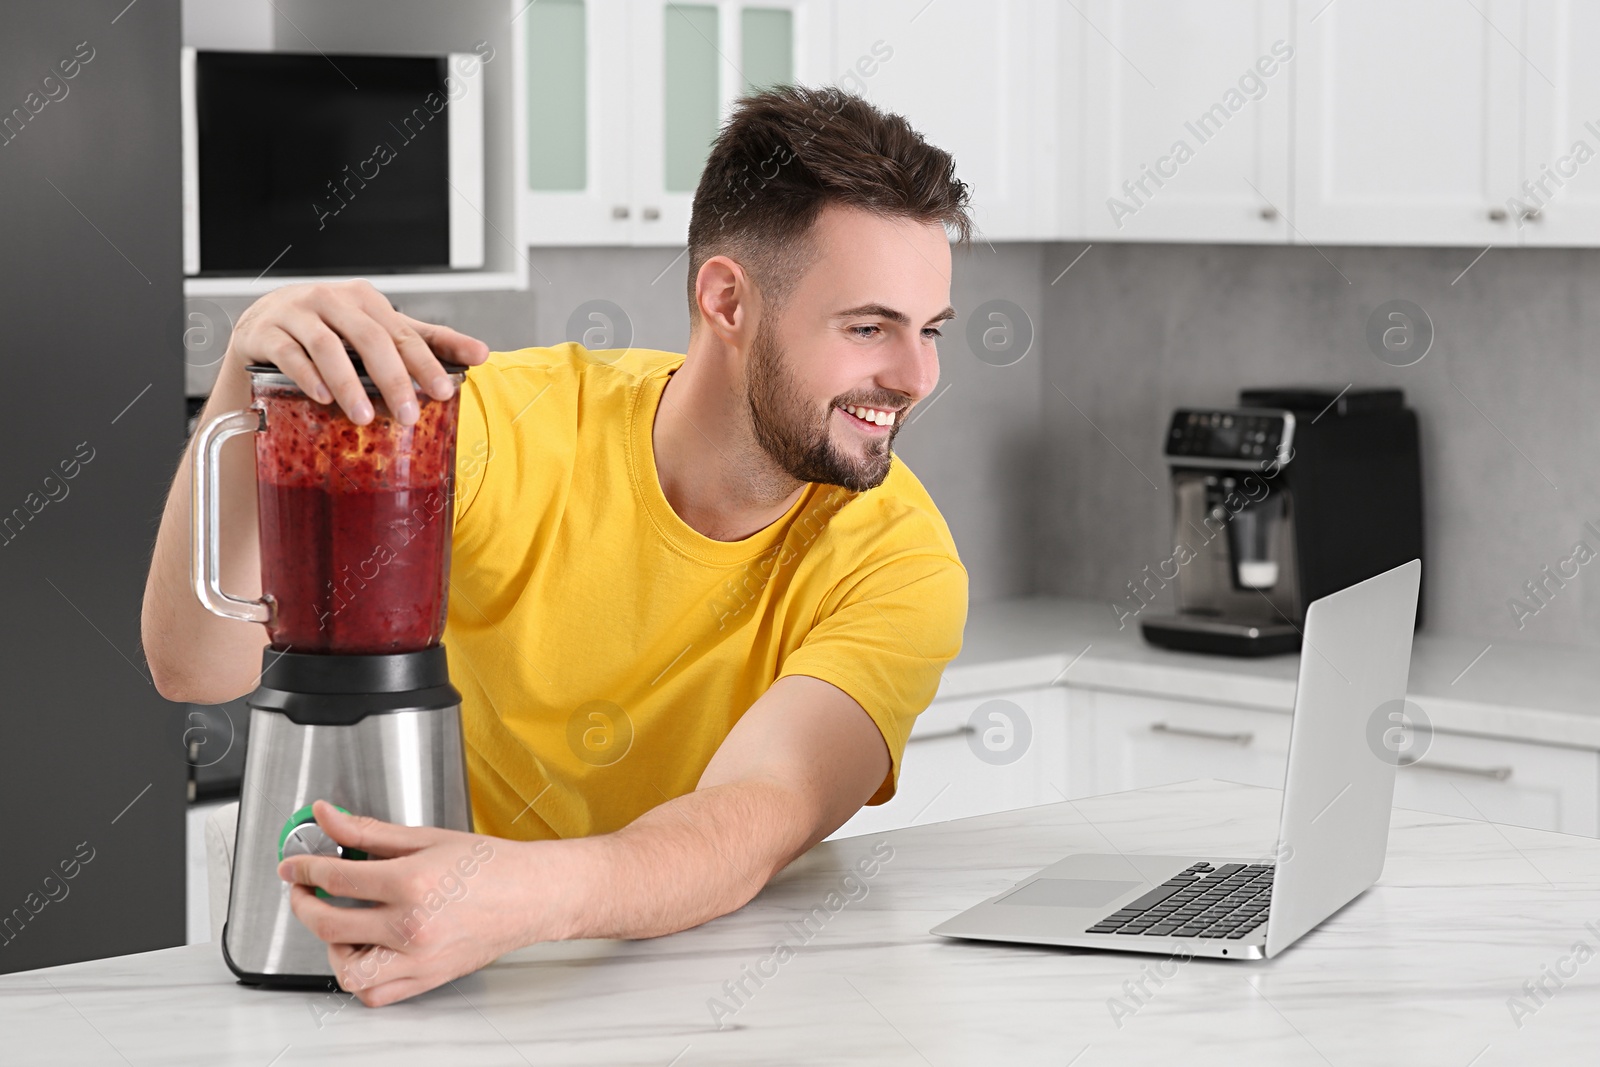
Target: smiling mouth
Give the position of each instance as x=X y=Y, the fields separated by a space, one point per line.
x=871 y=419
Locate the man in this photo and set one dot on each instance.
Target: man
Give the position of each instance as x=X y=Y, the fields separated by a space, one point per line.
x=695 y=605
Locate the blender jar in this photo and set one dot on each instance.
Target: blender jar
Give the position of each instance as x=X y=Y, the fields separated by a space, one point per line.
x=355 y=521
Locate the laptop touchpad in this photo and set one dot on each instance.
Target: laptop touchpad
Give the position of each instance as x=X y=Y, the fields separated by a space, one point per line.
x=1068 y=892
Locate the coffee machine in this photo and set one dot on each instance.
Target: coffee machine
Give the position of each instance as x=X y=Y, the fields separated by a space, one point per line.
x=1294 y=494
x=354 y=703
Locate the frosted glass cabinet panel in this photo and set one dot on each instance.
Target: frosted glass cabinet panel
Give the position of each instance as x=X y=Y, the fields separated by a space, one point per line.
x=691 y=97
x=576 y=100
x=690 y=62
x=558 y=99
x=624 y=97
x=766 y=51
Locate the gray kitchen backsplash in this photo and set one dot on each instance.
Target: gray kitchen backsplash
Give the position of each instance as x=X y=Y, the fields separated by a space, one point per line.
x=1042 y=442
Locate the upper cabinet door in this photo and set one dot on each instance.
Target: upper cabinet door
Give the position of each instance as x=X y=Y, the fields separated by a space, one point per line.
x=577 y=119
x=1186 y=119
x=1407 y=117
x=691 y=63
x=1557 y=197
x=1063 y=154
x=979 y=79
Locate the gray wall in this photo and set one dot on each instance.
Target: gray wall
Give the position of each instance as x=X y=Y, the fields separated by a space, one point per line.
x=976 y=447
x=1038 y=494
x=1506 y=397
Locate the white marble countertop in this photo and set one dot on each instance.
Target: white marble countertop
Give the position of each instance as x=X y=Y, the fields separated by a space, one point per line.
x=1544 y=693
x=1420 y=970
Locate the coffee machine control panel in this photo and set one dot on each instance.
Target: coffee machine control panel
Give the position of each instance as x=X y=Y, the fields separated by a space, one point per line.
x=1240 y=437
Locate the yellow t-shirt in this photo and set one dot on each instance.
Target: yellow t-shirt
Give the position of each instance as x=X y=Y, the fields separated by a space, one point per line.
x=604 y=648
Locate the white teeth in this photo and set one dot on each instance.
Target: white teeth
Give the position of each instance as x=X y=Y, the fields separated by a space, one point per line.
x=873 y=415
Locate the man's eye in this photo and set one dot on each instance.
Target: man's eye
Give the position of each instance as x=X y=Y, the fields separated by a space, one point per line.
x=862 y=335
x=934 y=330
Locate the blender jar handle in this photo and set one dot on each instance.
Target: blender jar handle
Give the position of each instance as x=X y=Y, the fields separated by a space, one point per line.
x=206 y=554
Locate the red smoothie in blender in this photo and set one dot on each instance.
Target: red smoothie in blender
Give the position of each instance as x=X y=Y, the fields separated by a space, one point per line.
x=355 y=525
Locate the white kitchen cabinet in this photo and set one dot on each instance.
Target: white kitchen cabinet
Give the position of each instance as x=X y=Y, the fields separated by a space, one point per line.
x=1186 y=121
x=579 y=140
x=1011 y=754
x=625 y=97
x=979 y=79
x=197 y=884
x=1406 y=121
x=1544 y=786
x=690 y=63
x=1561 y=127
x=1120 y=741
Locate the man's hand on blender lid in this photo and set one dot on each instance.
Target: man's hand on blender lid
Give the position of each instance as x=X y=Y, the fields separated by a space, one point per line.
x=303 y=329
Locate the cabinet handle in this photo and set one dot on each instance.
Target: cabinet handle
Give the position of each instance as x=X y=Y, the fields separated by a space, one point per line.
x=1243 y=737
x=1269 y=213
x=620 y=211
x=1499 y=774
x=651 y=214
x=1497 y=214
x=1532 y=215
x=940 y=735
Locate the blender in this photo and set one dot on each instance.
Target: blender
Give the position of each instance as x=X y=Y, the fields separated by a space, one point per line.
x=354 y=703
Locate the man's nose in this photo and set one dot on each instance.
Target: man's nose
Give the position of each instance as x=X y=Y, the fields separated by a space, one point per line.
x=913 y=370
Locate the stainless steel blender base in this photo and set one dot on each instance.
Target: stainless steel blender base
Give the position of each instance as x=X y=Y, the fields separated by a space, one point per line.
x=406 y=767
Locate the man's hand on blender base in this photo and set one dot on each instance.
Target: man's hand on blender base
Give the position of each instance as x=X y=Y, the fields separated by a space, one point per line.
x=302 y=330
x=446 y=903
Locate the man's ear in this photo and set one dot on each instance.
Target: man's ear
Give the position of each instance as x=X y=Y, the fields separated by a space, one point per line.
x=727 y=300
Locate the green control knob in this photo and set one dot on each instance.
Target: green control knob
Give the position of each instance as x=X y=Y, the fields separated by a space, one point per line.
x=301 y=836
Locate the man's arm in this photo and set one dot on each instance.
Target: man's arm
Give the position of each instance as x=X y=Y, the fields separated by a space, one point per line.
x=798 y=764
x=793 y=769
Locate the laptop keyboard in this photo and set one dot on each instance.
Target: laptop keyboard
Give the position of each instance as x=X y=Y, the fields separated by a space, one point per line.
x=1204 y=901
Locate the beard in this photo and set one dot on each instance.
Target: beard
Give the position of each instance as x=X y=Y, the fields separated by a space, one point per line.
x=793 y=432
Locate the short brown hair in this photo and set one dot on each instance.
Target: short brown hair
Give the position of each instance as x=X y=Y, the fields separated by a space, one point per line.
x=785 y=154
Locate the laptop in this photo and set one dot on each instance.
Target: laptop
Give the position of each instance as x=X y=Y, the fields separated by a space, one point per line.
x=1333 y=829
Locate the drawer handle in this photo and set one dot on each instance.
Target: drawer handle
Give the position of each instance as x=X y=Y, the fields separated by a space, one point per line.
x=1243 y=737
x=1499 y=774
x=940 y=735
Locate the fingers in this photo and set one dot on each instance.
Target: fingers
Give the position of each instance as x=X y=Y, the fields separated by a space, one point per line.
x=303 y=331
x=352 y=318
x=360 y=879
x=373 y=974
x=284 y=351
x=358 y=968
x=419 y=359
x=376 y=975
x=451 y=344
x=389 y=992
x=331 y=363
x=412 y=341
x=340 y=926
x=373 y=836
